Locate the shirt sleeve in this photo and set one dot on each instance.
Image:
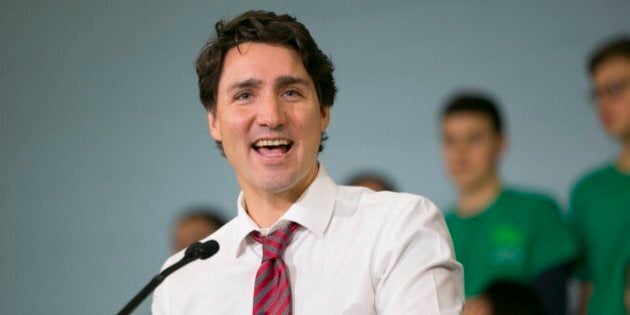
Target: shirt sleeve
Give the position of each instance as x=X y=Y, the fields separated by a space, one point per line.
x=416 y=269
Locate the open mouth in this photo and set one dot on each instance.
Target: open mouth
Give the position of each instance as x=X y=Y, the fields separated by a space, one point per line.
x=272 y=147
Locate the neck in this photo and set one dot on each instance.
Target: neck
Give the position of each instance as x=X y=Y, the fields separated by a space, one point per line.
x=475 y=199
x=265 y=208
x=623 y=161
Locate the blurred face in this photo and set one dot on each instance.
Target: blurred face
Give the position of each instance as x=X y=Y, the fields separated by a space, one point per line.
x=470 y=148
x=189 y=231
x=268 y=118
x=611 y=91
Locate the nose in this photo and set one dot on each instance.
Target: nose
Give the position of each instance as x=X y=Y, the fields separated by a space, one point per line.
x=460 y=153
x=458 y=147
x=271 y=113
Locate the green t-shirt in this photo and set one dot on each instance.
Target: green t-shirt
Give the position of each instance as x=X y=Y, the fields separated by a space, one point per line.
x=518 y=237
x=600 y=216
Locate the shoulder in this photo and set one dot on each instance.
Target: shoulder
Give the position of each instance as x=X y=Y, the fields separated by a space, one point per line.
x=383 y=202
x=226 y=231
x=450 y=216
x=386 y=212
x=530 y=206
x=592 y=178
x=529 y=198
x=394 y=219
x=223 y=236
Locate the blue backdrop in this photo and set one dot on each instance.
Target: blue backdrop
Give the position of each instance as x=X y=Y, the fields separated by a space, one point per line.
x=103 y=139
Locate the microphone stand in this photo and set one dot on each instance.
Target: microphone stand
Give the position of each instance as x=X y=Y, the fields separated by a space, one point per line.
x=152 y=285
x=193 y=252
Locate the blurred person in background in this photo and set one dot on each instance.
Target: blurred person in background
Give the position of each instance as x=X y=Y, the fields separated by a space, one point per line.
x=600 y=201
x=372 y=180
x=504 y=297
x=193 y=225
x=499 y=232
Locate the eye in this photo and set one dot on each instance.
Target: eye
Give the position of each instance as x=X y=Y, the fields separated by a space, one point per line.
x=292 y=93
x=616 y=88
x=610 y=90
x=243 y=96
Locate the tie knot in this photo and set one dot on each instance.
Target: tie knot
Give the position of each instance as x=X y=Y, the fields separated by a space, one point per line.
x=275 y=243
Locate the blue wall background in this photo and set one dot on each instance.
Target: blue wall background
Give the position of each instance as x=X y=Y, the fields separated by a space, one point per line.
x=102 y=138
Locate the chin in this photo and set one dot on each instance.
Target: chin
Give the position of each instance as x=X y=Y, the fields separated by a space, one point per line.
x=613 y=132
x=466 y=184
x=461 y=181
x=277 y=184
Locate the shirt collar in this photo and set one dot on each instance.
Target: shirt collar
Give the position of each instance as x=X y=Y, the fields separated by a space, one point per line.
x=312 y=210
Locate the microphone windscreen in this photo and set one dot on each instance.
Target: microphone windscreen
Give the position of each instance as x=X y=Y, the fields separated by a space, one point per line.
x=202 y=250
x=210 y=247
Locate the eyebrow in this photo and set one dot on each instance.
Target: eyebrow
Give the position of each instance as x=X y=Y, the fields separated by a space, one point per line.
x=290 y=80
x=249 y=83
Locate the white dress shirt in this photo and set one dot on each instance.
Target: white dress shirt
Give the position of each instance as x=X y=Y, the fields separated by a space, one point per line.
x=357 y=252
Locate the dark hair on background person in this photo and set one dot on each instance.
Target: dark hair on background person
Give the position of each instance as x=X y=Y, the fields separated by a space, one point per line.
x=511 y=298
x=194 y=224
x=617 y=47
x=372 y=179
x=475 y=102
x=203 y=213
x=268 y=28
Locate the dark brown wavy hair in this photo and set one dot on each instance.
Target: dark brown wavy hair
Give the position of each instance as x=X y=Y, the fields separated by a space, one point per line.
x=263 y=27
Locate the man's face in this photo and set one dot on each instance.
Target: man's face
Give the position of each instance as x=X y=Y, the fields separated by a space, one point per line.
x=611 y=85
x=470 y=149
x=268 y=118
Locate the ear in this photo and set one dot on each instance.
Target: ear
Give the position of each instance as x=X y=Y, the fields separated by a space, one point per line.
x=213 y=125
x=325 y=111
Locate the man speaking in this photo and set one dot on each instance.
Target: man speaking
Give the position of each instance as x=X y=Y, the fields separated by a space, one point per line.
x=301 y=244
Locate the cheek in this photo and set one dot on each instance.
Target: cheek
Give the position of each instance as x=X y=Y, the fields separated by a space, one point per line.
x=235 y=125
x=312 y=124
x=479 y=156
x=624 y=107
x=490 y=158
x=446 y=153
x=452 y=155
x=234 y=140
x=618 y=108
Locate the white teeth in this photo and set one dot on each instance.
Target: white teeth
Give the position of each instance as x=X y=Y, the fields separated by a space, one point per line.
x=271 y=143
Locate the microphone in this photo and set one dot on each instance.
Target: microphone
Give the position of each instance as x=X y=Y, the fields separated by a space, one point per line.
x=195 y=251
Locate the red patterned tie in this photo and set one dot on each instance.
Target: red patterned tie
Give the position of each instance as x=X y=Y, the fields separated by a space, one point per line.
x=272 y=291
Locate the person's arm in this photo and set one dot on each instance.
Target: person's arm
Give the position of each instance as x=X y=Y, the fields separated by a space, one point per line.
x=478 y=306
x=414 y=270
x=551 y=286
